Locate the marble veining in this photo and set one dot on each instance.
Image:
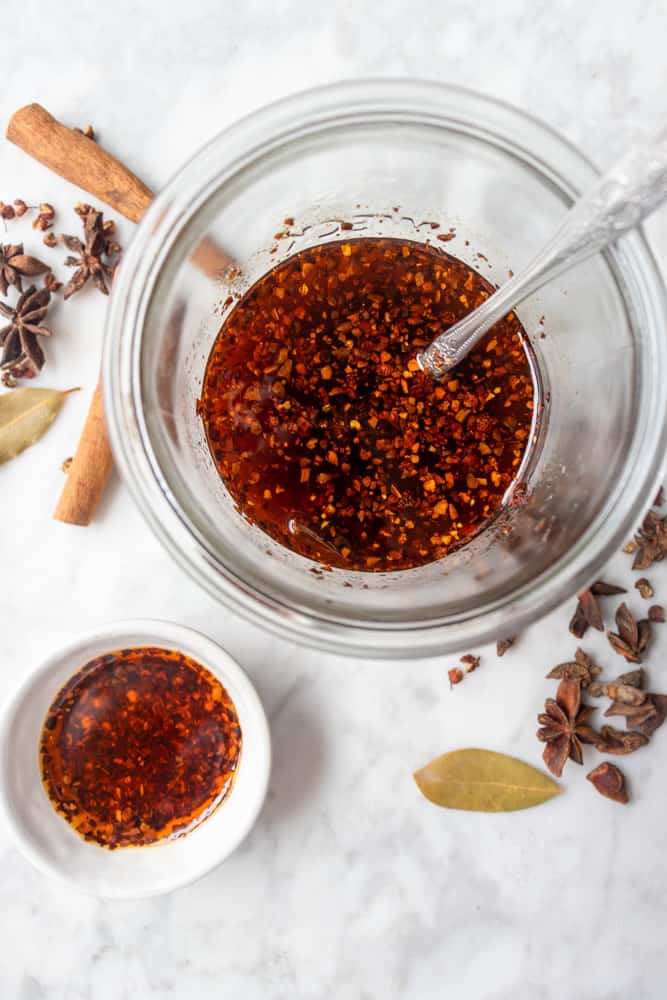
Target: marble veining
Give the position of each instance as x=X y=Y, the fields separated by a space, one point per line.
x=351 y=886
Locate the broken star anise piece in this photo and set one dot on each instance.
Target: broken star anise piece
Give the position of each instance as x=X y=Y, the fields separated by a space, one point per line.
x=14 y=265
x=564 y=727
x=602 y=589
x=650 y=541
x=588 y=612
x=609 y=781
x=21 y=352
x=93 y=261
x=583 y=669
x=632 y=636
x=636 y=716
x=626 y=694
x=653 y=721
x=619 y=741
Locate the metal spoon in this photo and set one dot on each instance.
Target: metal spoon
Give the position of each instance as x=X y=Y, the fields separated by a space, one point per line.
x=619 y=201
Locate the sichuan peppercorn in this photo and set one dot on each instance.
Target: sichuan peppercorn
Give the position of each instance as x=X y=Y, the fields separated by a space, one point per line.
x=325 y=431
x=139 y=746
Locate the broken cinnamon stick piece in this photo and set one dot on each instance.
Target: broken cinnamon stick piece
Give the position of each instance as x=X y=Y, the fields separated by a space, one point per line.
x=90 y=469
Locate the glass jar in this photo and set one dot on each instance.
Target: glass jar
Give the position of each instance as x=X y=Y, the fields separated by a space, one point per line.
x=390 y=157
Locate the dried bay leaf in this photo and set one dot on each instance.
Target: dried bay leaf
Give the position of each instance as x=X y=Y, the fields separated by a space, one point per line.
x=25 y=415
x=484 y=781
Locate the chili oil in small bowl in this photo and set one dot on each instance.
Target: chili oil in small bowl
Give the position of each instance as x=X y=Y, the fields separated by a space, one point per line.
x=134 y=760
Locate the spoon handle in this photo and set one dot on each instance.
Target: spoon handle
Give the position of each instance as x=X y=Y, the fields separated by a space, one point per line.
x=632 y=189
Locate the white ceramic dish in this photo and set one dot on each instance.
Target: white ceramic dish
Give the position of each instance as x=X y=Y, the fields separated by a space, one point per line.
x=46 y=838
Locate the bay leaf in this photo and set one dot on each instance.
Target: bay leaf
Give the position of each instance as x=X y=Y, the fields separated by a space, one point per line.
x=484 y=781
x=25 y=415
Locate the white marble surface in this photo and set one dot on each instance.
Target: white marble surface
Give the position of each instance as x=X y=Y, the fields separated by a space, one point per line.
x=351 y=885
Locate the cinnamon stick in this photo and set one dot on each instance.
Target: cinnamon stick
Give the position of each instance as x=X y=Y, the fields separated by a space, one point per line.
x=90 y=468
x=78 y=159
x=81 y=160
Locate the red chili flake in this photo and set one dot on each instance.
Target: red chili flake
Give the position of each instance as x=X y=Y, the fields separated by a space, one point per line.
x=139 y=746
x=326 y=432
x=470 y=662
x=455 y=675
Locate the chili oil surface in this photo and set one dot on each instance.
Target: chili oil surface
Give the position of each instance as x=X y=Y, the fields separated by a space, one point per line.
x=325 y=431
x=139 y=746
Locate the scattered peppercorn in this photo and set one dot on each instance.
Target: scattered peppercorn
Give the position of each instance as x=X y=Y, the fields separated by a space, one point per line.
x=644 y=588
x=45 y=216
x=324 y=429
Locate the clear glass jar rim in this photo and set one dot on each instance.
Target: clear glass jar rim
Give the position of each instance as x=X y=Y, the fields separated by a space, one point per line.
x=244 y=142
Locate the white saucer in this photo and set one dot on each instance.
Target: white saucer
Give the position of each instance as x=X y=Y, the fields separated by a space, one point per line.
x=49 y=842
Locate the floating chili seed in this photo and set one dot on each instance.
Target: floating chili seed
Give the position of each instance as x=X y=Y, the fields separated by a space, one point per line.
x=325 y=431
x=455 y=675
x=503 y=645
x=139 y=746
x=656 y=613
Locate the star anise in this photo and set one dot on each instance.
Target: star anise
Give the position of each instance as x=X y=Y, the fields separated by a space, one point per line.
x=564 y=727
x=22 y=355
x=14 y=265
x=92 y=251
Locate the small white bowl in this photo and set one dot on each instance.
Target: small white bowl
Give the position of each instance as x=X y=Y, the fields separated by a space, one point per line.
x=49 y=842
